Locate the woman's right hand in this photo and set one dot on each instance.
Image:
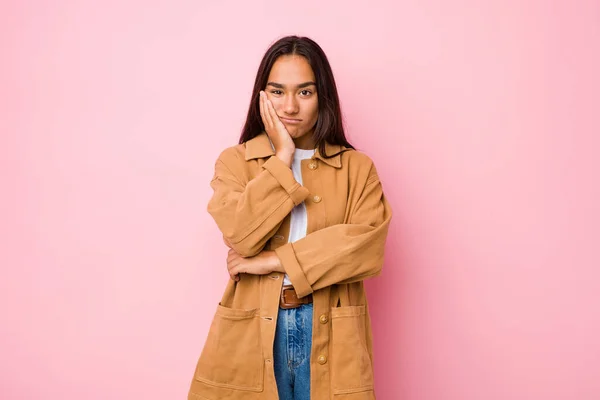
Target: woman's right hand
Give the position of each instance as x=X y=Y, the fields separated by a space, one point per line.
x=280 y=137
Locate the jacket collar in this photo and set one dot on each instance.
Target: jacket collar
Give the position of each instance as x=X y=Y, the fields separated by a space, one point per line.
x=260 y=147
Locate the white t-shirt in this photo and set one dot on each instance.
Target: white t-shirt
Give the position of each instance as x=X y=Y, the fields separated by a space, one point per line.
x=298 y=219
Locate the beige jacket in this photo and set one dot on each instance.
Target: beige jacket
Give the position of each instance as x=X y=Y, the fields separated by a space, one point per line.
x=348 y=219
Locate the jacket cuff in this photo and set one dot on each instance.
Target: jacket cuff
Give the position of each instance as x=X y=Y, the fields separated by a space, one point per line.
x=284 y=175
x=292 y=268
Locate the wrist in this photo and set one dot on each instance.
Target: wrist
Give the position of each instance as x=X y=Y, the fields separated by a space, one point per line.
x=276 y=262
x=286 y=156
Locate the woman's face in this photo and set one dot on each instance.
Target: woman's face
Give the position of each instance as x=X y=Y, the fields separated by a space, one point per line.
x=292 y=89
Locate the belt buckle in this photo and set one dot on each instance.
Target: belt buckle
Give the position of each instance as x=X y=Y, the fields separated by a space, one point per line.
x=282 y=301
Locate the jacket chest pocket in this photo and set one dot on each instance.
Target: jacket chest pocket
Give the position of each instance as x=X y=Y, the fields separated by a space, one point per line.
x=232 y=356
x=352 y=368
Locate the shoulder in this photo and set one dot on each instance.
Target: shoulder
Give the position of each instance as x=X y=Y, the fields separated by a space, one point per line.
x=259 y=147
x=359 y=165
x=231 y=164
x=356 y=157
x=233 y=153
x=233 y=156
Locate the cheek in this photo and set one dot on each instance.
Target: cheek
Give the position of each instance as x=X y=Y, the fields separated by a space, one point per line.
x=311 y=110
x=314 y=112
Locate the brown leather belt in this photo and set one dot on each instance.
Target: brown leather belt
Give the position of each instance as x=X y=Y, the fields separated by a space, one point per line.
x=289 y=298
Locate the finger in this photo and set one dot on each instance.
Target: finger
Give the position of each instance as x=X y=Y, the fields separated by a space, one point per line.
x=231 y=265
x=268 y=116
x=273 y=114
x=261 y=104
x=263 y=109
x=233 y=253
x=234 y=271
x=271 y=110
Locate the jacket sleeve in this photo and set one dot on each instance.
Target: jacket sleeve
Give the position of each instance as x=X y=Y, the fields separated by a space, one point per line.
x=342 y=253
x=249 y=213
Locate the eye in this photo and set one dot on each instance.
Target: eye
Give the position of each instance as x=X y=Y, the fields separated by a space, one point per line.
x=305 y=92
x=276 y=92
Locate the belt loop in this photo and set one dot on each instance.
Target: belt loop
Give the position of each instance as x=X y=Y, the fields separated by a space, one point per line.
x=343 y=295
x=336 y=295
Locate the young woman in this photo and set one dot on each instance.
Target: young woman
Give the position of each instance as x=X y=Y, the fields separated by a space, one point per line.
x=305 y=218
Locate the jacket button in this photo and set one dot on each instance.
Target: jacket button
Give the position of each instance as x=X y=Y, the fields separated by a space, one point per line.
x=322 y=359
x=317 y=199
x=278 y=237
x=312 y=165
x=323 y=318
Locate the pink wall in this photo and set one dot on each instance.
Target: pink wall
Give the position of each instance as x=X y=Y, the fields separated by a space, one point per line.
x=481 y=116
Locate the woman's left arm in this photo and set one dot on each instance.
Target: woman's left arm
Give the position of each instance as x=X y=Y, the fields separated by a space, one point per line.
x=342 y=253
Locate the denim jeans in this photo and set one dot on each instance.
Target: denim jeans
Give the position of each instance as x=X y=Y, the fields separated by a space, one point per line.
x=291 y=352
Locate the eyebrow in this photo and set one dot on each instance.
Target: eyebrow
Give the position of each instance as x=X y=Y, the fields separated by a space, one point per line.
x=300 y=86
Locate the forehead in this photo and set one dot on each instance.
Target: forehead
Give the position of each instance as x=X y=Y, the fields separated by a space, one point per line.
x=291 y=69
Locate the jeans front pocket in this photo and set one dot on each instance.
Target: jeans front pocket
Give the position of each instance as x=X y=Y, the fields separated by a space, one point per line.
x=232 y=356
x=352 y=368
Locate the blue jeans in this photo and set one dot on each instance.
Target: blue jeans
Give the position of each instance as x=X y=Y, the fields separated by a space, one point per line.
x=291 y=352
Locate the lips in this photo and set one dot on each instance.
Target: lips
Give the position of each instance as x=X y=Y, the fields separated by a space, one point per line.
x=290 y=120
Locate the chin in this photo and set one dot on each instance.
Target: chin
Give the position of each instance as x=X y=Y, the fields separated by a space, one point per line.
x=296 y=133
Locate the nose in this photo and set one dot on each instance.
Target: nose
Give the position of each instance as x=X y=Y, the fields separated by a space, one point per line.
x=290 y=105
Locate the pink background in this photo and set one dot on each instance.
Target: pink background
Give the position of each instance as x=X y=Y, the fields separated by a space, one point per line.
x=483 y=120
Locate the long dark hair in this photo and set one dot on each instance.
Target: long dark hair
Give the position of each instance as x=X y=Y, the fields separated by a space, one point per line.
x=329 y=126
